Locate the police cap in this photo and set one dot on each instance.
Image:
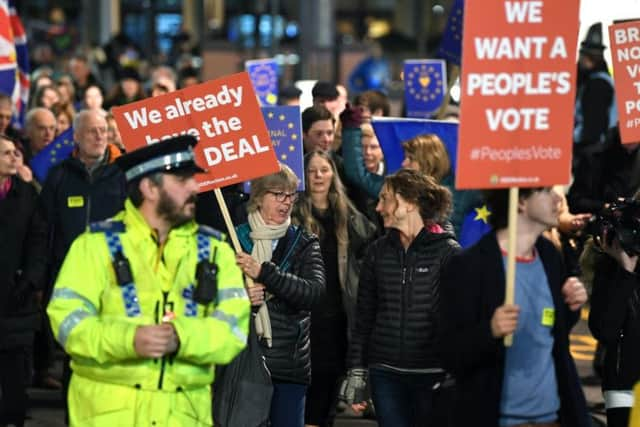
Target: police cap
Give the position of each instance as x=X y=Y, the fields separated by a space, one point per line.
x=169 y=156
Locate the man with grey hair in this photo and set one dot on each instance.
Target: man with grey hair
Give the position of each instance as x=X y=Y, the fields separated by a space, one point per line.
x=84 y=188
x=40 y=130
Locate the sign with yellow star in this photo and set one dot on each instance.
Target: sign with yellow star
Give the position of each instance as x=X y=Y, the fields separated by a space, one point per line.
x=285 y=130
x=264 y=78
x=425 y=85
x=52 y=154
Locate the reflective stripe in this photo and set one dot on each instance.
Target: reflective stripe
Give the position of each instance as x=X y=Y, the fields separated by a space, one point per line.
x=204 y=246
x=166 y=162
x=66 y=293
x=190 y=308
x=618 y=399
x=232 y=321
x=229 y=293
x=70 y=322
x=129 y=294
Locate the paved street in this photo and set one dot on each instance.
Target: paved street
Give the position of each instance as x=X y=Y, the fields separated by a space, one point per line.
x=47 y=407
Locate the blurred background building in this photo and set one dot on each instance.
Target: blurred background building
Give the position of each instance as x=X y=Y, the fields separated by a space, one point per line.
x=311 y=39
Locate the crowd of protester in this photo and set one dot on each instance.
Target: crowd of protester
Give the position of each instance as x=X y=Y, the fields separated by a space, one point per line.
x=362 y=294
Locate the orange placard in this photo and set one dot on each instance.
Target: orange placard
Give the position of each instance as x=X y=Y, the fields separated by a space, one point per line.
x=518 y=93
x=224 y=115
x=625 y=55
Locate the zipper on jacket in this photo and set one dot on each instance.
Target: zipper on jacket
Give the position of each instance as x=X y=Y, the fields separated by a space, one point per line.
x=619 y=352
x=88 y=212
x=164 y=358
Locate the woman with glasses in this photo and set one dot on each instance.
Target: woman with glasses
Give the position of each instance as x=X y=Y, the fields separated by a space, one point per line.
x=325 y=210
x=285 y=263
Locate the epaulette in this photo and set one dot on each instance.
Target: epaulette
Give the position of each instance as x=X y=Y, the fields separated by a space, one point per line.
x=210 y=231
x=102 y=226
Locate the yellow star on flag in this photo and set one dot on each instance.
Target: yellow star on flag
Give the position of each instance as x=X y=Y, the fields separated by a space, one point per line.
x=482 y=214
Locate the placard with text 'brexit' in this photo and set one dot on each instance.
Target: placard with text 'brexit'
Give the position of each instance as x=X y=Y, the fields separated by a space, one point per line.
x=518 y=75
x=625 y=55
x=223 y=114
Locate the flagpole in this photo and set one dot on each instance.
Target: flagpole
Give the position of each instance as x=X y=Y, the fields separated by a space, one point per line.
x=230 y=227
x=509 y=294
x=453 y=76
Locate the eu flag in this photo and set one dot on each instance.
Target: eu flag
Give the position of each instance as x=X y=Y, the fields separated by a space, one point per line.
x=392 y=131
x=55 y=152
x=475 y=226
x=451 y=44
x=264 y=78
x=285 y=131
x=425 y=85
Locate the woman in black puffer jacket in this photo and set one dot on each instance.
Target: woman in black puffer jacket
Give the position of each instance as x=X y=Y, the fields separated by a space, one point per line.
x=23 y=261
x=286 y=265
x=399 y=303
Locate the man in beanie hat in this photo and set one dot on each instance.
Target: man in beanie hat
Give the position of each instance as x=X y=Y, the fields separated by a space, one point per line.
x=595 y=110
x=148 y=302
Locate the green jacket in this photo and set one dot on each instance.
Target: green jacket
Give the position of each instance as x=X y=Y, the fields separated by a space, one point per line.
x=89 y=319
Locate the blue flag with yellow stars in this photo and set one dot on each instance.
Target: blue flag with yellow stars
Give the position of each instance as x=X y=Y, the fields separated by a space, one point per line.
x=425 y=86
x=475 y=225
x=393 y=131
x=55 y=152
x=451 y=44
x=285 y=131
x=264 y=78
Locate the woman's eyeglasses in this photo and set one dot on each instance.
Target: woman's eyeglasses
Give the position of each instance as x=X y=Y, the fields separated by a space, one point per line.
x=281 y=196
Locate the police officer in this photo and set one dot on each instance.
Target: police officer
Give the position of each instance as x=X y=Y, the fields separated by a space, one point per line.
x=148 y=302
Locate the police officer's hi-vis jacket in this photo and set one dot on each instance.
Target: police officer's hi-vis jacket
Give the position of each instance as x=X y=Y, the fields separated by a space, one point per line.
x=95 y=319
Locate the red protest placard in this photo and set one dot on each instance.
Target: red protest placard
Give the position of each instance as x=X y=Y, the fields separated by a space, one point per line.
x=234 y=144
x=518 y=96
x=625 y=55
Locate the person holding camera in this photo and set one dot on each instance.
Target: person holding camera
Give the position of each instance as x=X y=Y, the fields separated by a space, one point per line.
x=614 y=319
x=148 y=302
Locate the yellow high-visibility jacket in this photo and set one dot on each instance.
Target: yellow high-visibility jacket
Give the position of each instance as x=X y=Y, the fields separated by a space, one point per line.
x=95 y=320
x=634 y=419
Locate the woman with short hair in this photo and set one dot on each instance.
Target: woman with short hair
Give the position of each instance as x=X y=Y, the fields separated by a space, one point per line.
x=286 y=266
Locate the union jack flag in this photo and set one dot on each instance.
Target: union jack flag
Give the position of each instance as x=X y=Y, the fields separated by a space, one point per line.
x=14 y=60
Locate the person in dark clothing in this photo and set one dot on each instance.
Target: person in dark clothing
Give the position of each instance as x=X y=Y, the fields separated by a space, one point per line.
x=398 y=310
x=611 y=171
x=614 y=320
x=534 y=380
x=208 y=211
x=83 y=77
x=286 y=262
x=595 y=109
x=325 y=210
x=22 y=275
x=84 y=188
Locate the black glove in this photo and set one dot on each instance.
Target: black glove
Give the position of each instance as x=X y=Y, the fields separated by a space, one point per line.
x=354 y=387
x=351 y=117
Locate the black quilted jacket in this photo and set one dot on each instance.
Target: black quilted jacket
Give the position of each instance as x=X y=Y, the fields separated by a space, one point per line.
x=295 y=278
x=399 y=302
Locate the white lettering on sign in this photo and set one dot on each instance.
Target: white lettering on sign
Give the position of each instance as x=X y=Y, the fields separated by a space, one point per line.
x=232 y=150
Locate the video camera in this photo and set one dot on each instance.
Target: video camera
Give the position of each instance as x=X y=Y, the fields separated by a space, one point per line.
x=621 y=220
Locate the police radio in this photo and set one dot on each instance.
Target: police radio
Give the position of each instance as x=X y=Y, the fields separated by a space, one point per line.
x=122 y=268
x=206 y=281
